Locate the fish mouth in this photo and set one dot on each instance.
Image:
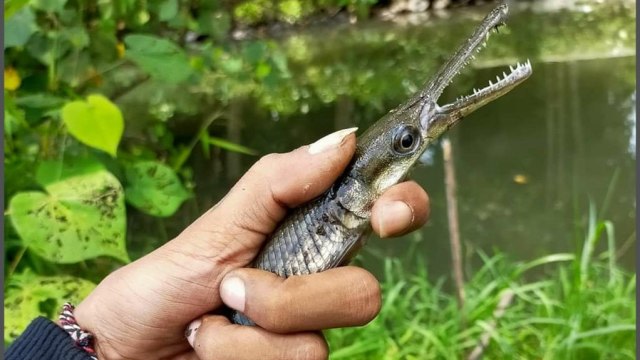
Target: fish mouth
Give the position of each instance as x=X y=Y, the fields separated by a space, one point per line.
x=451 y=113
x=467 y=104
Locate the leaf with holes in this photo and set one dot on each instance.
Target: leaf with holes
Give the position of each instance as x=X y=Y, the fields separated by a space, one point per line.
x=154 y=188
x=79 y=218
x=96 y=122
x=28 y=294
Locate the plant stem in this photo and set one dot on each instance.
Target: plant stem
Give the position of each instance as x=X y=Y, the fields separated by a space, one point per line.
x=452 y=215
x=184 y=154
x=16 y=261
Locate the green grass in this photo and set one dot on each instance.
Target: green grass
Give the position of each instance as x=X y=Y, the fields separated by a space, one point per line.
x=566 y=306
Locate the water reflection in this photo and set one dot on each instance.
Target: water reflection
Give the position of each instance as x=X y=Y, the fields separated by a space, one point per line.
x=566 y=133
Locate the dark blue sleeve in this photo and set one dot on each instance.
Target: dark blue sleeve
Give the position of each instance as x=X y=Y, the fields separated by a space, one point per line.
x=43 y=339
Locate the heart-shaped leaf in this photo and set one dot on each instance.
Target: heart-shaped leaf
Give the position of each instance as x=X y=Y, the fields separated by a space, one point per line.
x=96 y=122
x=154 y=188
x=27 y=292
x=80 y=217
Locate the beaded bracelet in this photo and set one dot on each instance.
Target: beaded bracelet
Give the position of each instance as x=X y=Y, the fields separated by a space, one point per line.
x=82 y=338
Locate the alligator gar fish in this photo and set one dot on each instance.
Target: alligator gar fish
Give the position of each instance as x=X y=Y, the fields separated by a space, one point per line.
x=329 y=230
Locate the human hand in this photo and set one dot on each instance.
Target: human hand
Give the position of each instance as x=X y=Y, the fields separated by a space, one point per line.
x=141 y=311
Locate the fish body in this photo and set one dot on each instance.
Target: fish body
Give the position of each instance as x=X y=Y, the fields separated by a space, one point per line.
x=329 y=230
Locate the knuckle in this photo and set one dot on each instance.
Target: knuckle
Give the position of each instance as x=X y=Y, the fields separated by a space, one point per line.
x=265 y=162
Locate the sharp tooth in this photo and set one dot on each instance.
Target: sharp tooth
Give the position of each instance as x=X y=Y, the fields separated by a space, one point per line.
x=498 y=78
x=490 y=83
x=511 y=68
x=504 y=74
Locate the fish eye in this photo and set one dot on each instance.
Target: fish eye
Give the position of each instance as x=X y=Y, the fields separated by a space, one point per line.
x=406 y=139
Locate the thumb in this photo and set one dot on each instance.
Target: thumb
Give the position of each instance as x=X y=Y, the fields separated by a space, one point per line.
x=261 y=198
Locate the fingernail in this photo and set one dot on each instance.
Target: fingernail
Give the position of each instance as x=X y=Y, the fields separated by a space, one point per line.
x=330 y=141
x=190 y=333
x=232 y=293
x=394 y=218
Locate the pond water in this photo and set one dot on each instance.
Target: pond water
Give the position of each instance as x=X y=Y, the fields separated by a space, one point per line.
x=527 y=165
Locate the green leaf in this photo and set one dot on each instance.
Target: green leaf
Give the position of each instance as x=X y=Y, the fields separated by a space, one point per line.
x=231 y=65
x=52 y=171
x=96 y=122
x=168 y=10
x=280 y=61
x=77 y=36
x=79 y=218
x=12 y=6
x=19 y=28
x=13 y=121
x=49 y=5
x=255 y=51
x=228 y=145
x=262 y=70
x=14 y=117
x=76 y=68
x=154 y=188
x=47 y=47
x=159 y=57
x=290 y=9
x=216 y=24
x=27 y=293
x=40 y=101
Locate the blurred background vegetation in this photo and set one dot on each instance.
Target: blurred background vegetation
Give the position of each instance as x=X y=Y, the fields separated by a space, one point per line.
x=126 y=119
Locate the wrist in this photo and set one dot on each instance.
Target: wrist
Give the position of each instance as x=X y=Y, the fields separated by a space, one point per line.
x=81 y=337
x=89 y=319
